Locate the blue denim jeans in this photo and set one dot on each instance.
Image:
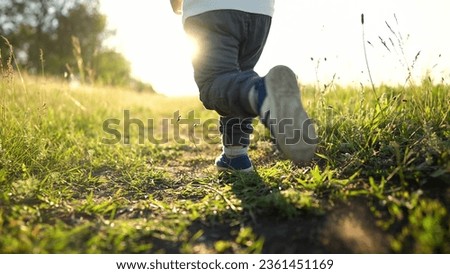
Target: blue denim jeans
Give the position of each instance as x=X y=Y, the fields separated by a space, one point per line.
x=230 y=44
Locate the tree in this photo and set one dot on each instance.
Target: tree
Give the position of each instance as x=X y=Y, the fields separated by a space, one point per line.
x=61 y=34
x=115 y=69
x=88 y=26
x=31 y=27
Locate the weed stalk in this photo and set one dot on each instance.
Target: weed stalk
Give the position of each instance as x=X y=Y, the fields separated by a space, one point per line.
x=368 y=67
x=41 y=58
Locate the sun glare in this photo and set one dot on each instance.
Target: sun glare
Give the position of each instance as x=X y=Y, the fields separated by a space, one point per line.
x=192 y=47
x=153 y=40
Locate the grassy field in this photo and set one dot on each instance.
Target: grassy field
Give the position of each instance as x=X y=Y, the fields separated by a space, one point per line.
x=68 y=184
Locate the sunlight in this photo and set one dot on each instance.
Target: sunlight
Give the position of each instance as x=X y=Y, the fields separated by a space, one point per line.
x=324 y=41
x=153 y=40
x=191 y=47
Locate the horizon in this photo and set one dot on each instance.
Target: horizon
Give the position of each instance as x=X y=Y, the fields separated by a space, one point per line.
x=329 y=50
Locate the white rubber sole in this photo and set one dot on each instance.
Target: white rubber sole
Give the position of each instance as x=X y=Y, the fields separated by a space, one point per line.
x=224 y=169
x=289 y=123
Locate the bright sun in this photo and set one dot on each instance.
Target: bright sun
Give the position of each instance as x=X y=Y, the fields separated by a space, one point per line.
x=153 y=40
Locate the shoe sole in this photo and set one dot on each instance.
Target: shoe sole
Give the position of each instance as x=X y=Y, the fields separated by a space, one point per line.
x=224 y=169
x=289 y=123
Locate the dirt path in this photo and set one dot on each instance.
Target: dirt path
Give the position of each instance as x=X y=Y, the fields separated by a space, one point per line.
x=345 y=227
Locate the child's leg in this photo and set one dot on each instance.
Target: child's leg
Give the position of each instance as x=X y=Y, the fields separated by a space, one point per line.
x=236 y=131
x=235 y=139
x=230 y=44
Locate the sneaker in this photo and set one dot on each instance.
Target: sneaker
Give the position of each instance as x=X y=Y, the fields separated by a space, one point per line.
x=239 y=163
x=282 y=112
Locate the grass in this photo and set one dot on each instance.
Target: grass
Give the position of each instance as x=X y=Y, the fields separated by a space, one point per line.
x=379 y=183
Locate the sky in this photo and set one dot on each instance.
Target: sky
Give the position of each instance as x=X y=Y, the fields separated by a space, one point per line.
x=320 y=40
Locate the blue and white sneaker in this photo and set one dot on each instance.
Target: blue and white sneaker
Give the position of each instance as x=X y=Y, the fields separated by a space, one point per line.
x=281 y=110
x=239 y=163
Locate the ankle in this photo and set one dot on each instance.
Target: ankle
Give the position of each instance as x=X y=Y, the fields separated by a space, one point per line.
x=257 y=98
x=263 y=104
x=235 y=151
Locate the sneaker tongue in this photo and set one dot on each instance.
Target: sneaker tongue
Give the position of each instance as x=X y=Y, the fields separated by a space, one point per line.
x=265 y=118
x=262 y=95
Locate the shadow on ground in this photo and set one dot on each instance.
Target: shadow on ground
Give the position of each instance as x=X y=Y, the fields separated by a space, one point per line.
x=347 y=227
x=342 y=228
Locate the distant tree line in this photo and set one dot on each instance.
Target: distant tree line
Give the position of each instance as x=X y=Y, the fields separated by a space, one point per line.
x=57 y=37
